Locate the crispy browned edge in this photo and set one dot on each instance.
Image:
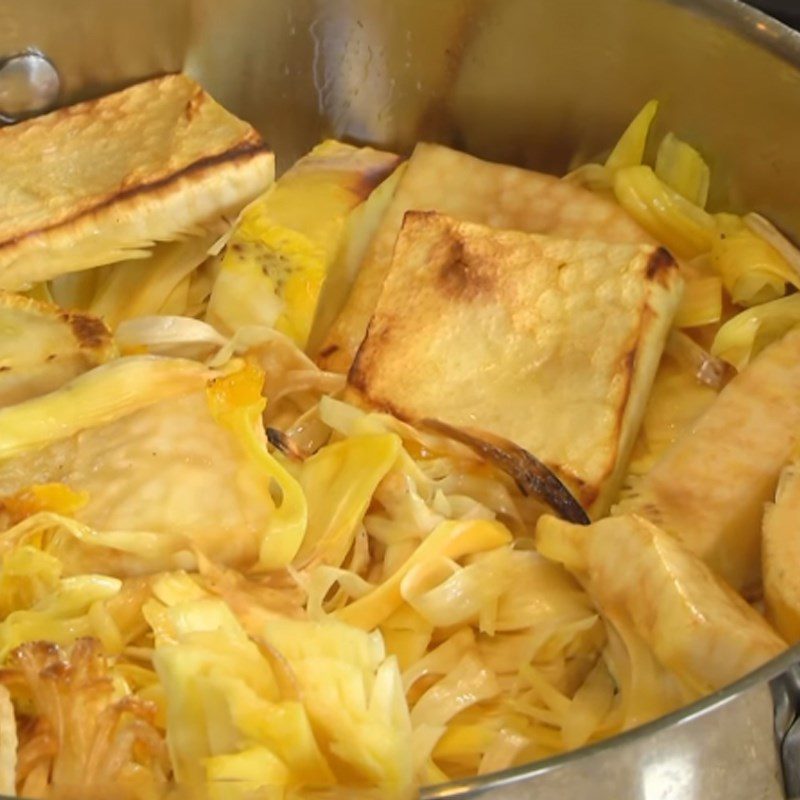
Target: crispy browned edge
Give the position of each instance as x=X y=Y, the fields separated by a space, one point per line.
x=366 y=182
x=357 y=375
x=532 y=476
x=248 y=147
x=660 y=266
x=90 y=332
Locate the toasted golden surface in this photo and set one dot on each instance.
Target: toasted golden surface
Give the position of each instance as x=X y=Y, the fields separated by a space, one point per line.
x=709 y=489
x=440 y=179
x=149 y=163
x=550 y=343
x=42 y=346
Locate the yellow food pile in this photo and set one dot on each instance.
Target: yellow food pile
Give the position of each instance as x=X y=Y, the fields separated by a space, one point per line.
x=224 y=575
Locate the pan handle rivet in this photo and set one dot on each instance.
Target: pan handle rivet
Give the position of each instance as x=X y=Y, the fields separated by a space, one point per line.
x=29 y=84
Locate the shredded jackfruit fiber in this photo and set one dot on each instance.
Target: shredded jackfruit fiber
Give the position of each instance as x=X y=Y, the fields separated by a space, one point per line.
x=386 y=619
x=746 y=256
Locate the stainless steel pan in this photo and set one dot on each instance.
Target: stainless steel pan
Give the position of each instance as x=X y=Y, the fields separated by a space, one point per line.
x=534 y=82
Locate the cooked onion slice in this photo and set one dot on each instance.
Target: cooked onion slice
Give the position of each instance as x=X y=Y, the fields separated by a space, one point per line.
x=531 y=476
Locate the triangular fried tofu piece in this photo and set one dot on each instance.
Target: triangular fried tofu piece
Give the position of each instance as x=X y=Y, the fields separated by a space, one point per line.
x=550 y=343
x=100 y=181
x=453 y=183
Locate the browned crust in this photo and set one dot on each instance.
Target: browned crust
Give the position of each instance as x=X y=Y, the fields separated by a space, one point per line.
x=460 y=276
x=533 y=478
x=660 y=264
x=358 y=373
x=368 y=180
x=90 y=332
x=194 y=103
x=328 y=351
x=284 y=443
x=249 y=148
x=358 y=392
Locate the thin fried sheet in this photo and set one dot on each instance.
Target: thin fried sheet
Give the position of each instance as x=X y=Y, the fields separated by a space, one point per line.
x=440 y=179
x=550 y=343
x=285 y=244
x=168 y=468
x=102 y=180
x=780 y=553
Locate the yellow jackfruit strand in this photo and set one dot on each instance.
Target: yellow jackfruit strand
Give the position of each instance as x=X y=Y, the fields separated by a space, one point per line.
x=100 y=396
x=629 y=150
x=743 y=337
x=237 y=404
x=339 y=482
x=752 y=270
x=701 y=303
x=683 y=227
x=683 y=169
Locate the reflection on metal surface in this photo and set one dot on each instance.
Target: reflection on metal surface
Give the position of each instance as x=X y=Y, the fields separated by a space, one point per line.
x=29 y=84
x=786 y=699
x=98 y=45
x=670 y=779
x=375 y=60
x=790 y=754
x=525 y=81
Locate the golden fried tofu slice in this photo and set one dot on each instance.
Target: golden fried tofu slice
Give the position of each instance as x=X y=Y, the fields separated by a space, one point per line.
x=780 y=555
x=440 y=179
x=42 y=346
x=550 y=343
x=709 y=489
x=100 y=181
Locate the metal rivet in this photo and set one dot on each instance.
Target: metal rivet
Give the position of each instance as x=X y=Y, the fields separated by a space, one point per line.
x=29 y=84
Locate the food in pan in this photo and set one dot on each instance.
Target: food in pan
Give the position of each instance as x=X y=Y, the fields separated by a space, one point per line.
x=439 y=179
x=379 y=475
x=504 y=321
